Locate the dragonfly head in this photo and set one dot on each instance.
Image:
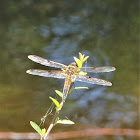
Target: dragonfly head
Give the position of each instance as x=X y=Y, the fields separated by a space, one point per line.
x=73 y=64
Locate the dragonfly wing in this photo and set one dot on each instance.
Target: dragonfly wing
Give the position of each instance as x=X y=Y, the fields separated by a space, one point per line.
x=44 y=73
x=98 y=69
x=46 y=62
x=87 y=79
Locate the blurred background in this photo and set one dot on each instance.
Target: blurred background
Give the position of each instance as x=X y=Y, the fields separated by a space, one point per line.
x=106 y=31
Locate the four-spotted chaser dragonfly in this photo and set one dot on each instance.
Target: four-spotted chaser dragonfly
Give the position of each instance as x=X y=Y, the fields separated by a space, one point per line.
x=69 y=73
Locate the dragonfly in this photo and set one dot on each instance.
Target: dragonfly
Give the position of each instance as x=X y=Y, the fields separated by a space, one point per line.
x=70 y=73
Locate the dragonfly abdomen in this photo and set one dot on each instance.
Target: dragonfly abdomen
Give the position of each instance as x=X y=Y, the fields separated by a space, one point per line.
x=66 y=88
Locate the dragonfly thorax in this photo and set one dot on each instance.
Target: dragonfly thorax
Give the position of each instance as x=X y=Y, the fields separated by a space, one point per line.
x=71 y=69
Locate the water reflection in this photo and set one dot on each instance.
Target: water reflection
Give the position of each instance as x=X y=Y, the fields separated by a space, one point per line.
x=108 y=108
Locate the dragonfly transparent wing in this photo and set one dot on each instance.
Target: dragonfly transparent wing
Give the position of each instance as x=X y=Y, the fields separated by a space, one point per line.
x=45 y=73
x=87 y=79
x=98 y=69
x=46 y=62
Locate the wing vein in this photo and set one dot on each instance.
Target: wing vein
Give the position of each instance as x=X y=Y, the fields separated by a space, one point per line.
x=46 y=62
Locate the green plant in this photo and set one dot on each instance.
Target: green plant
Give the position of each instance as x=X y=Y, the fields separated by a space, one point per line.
x=56 y=120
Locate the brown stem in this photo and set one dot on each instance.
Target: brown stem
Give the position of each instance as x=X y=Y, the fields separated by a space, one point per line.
x=53 y=121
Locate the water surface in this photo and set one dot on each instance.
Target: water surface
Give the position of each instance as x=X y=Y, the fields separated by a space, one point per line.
x=107 y=31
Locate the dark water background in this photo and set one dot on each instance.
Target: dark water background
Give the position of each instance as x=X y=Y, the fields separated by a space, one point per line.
x=107 y=31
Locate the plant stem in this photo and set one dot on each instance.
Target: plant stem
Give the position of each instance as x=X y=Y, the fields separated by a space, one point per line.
x=55 y=116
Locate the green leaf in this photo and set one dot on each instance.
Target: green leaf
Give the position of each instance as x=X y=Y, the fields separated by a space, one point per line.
x=55 y=102
x=37 y=128
x=59 y=93
x=75 y=58
x=82 y=73
x=43 y=131
x=80 y=88
x=65 y=122
x=77 y=88
x=78 y=62
x=85 y=58
x=81 y=56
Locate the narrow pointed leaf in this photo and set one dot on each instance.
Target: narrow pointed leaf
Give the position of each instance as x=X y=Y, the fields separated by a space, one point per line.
x=78 y=62
x=82 y=73
x=81 y=56
x=77 y=88
x=85 y=58
x=59 y=93
x=37 y=128
x=55 y=102
x=75 y=58
x=65 y=122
